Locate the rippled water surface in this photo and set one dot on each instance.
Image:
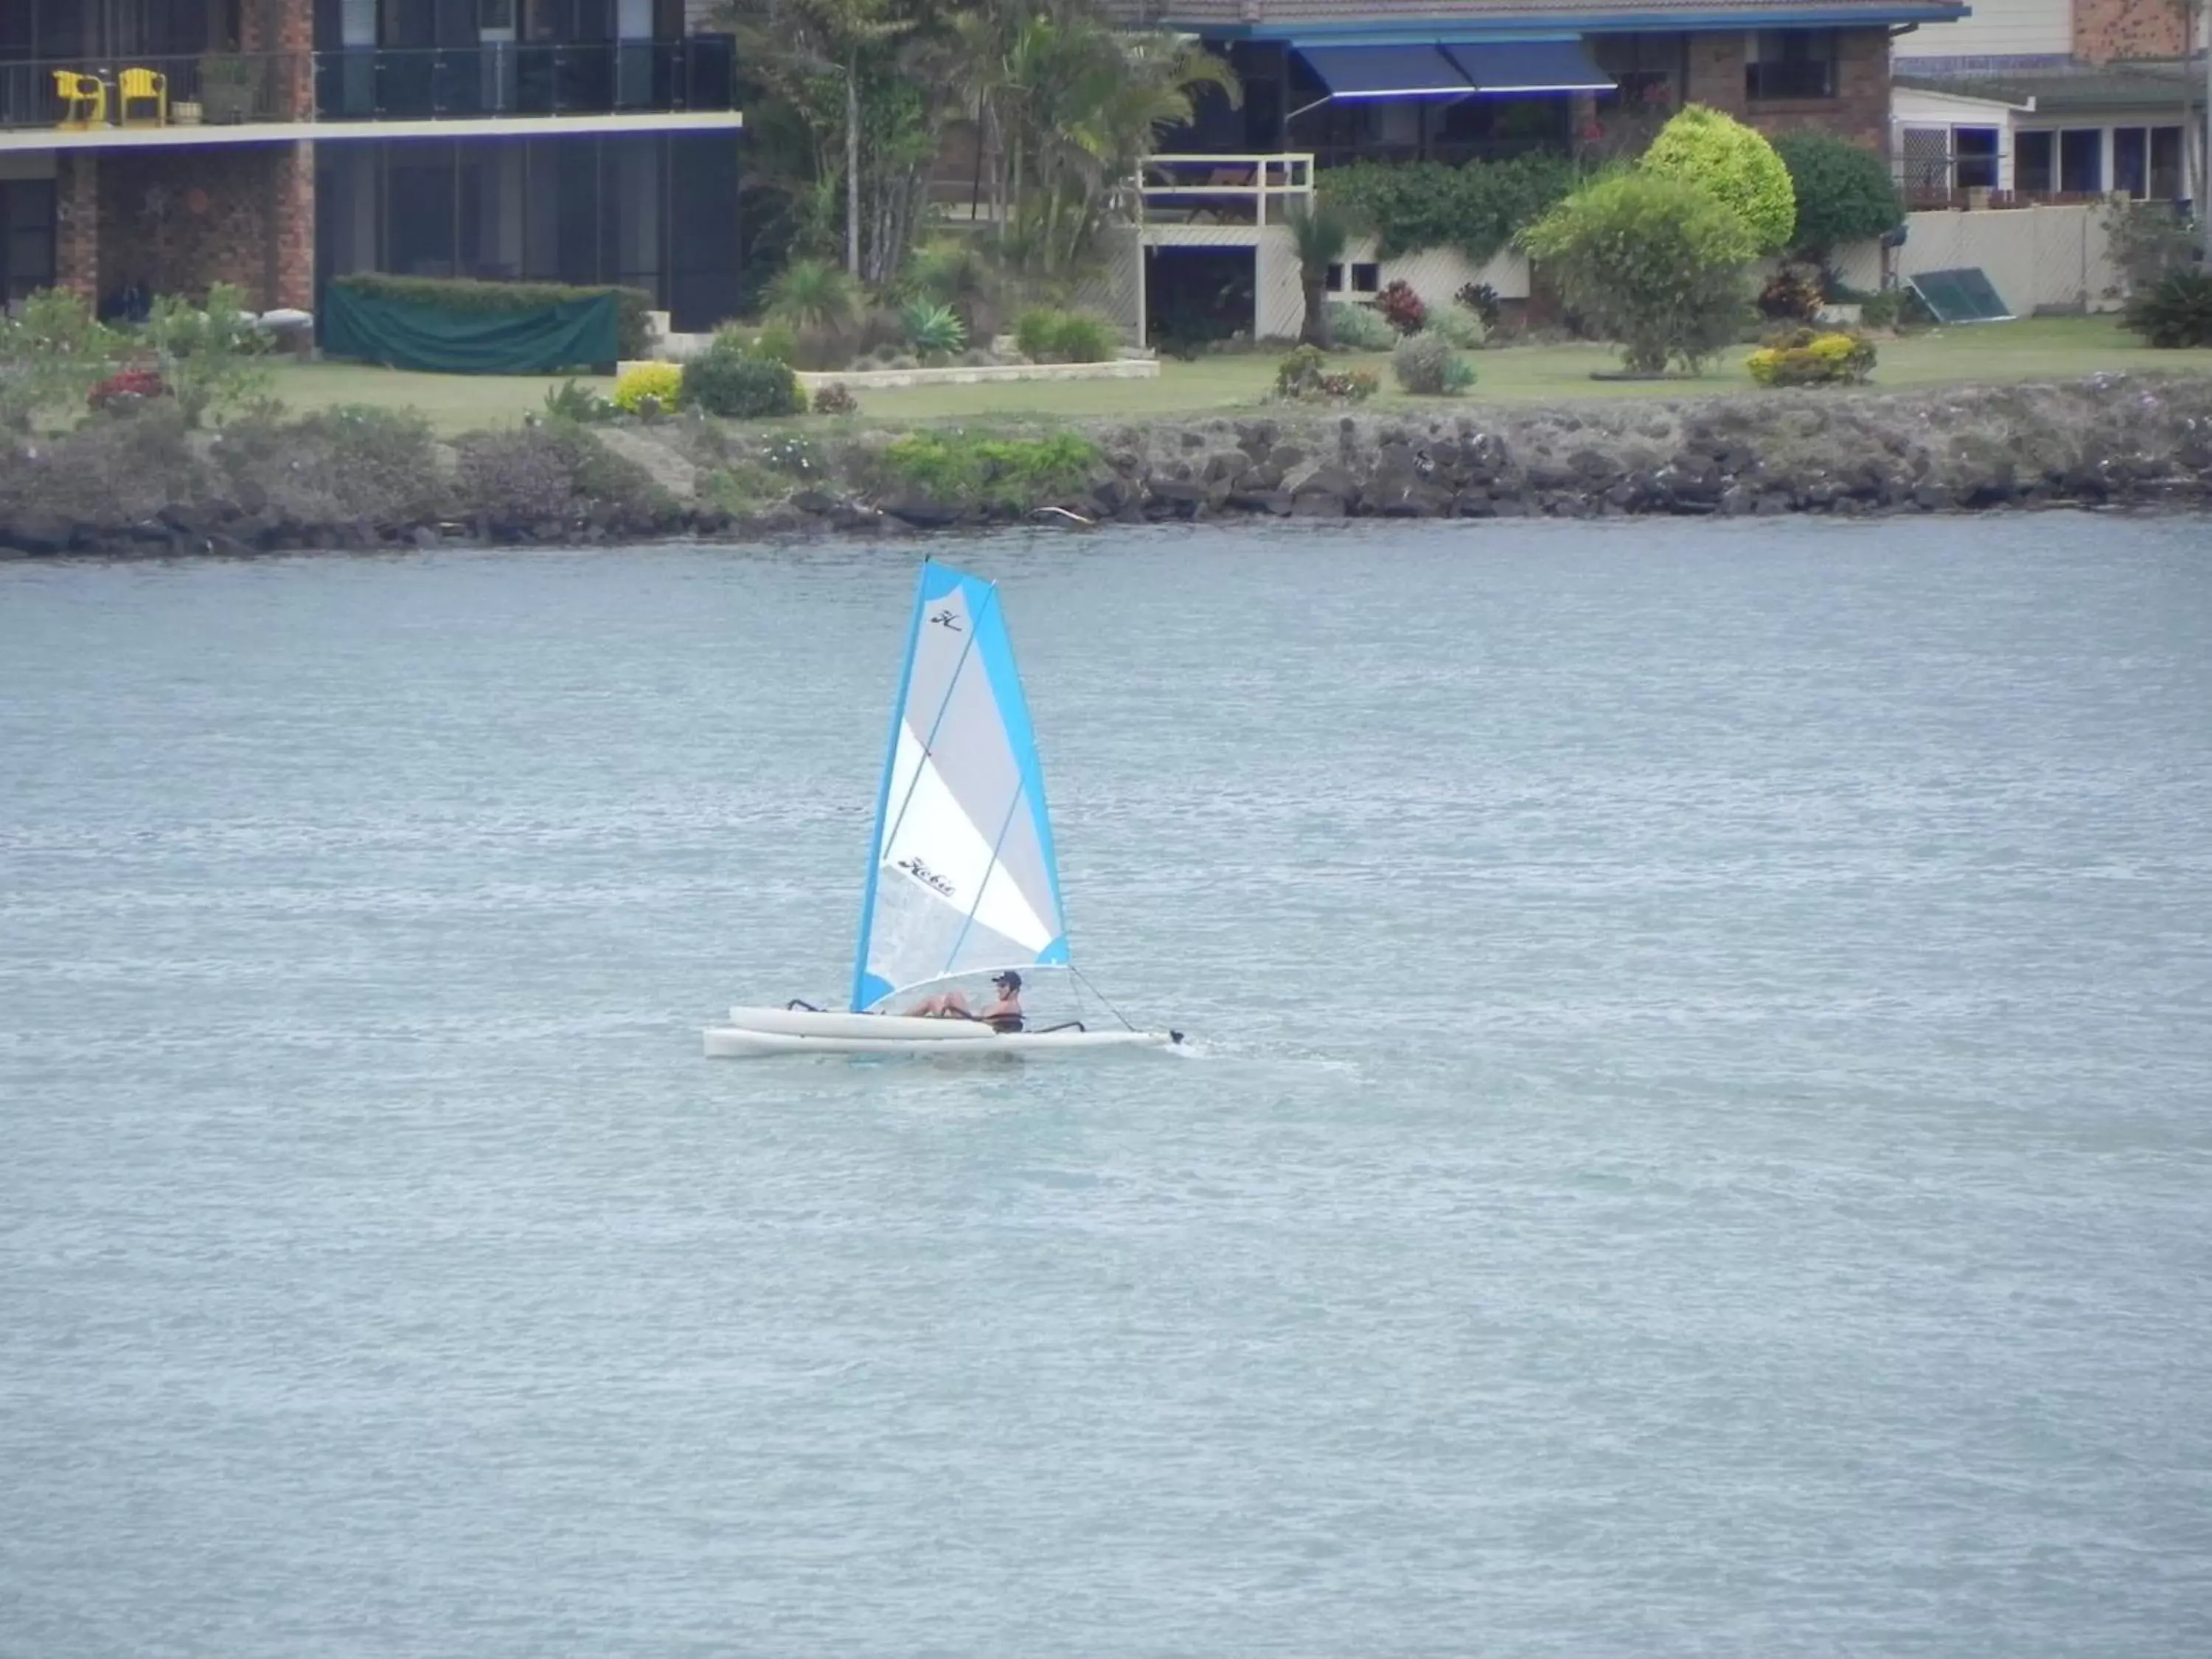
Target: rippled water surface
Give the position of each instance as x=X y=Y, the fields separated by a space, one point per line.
x=1701 y=1141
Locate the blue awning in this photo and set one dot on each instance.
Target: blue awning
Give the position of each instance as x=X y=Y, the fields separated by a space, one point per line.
x=1523 y=66
x=1351 y=72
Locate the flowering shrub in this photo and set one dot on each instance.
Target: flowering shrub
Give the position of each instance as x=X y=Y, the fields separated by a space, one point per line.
x=662 y=383
x=1426 y=364
x=1805 y=358
x=128 y=390
x=1304 y=377
x=1401 y=307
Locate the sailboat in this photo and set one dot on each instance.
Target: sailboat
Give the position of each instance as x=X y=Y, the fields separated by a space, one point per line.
x=962 y=880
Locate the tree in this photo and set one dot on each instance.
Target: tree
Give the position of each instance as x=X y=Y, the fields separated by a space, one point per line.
x=1659 y=264
x=1321 y=232
x=1734 y=164
x=1067 y=107
x=1843 y=193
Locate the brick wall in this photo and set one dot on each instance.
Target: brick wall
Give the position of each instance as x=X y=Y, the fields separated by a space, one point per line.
x=76 y=228
x=177 y=221
x=2106 y=29
x=1858 y=112
x=287 y=29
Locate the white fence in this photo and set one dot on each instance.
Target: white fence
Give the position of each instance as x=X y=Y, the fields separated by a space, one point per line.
x=2039 y=259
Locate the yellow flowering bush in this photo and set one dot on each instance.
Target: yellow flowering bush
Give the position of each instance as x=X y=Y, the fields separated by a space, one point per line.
x=662 y=382
x=1805 y=358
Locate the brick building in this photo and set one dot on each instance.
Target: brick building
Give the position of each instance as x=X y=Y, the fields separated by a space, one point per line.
x=1455 y=80
x=164 y=145
x=2037 y=100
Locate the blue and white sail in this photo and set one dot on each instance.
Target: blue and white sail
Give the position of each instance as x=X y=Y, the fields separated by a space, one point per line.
x=962 y=877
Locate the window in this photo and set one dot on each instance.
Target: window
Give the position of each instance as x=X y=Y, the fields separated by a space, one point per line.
x=2147 y=163
x=2034 y=163
x=1975 y=151
x=1366 y=278
x=1790 y=63
x=2167 y=182
x=2082 y=161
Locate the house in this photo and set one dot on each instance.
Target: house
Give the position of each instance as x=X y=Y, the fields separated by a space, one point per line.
x=1328 y=83
x=157 y=145
x=2051 y=100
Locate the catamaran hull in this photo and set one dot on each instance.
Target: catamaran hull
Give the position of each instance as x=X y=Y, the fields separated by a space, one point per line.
x=831 y=1021
x=734 y=1043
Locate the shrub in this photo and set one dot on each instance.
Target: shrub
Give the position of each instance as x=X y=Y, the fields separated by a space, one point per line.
x=351 y=463
x=1482 y=300
x=1072 y=337
x=1734 y=165
x=1881 y=310
x=773 y=343
x=2173 y=312
x=932 y=329
x=1657 y=265
x=1009 y=474
x=1462 y=329
x=836 y=398
x=211 y=359
x=555 y=473
x=728 y=380
x=953 y=270
x=1426 y=364
x=1843 y=193
x=1360 y=328
x=813 y=295
x=1401 y=307
x=1305 y=377
x=2148 y=239
x=1809 y=358
x=1477 y=209
x=120 y=393
x=661 y=385
x=573 y=401
x=52 y=353
x=468 y=295
x=1791 y=295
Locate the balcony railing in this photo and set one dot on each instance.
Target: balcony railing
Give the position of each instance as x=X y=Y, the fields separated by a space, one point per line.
x=210 y=88
x=1228 y=190
x=370 y=83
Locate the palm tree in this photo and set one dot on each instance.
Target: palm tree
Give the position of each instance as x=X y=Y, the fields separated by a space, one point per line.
x=1322 y=232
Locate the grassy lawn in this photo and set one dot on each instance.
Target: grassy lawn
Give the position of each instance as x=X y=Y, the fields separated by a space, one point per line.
x=2054 y=347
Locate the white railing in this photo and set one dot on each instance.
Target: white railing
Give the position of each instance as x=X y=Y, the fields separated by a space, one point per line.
x=1250 y=189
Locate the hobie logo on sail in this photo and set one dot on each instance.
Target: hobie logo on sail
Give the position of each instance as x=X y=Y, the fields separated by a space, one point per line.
x=947 y=617
x=927 y=877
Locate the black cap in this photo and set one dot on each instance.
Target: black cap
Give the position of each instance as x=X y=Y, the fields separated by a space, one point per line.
x=1010 y=979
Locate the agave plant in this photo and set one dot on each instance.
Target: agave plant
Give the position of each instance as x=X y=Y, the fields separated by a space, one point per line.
x=934 y=330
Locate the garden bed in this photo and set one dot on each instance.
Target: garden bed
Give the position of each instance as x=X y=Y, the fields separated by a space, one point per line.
x=860 y=379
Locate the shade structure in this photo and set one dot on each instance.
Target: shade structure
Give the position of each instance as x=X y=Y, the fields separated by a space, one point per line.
x=1453 y=69
x=1507 y=67
x=1410 y=71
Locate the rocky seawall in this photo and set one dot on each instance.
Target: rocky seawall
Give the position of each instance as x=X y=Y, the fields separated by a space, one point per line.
x=352 y=480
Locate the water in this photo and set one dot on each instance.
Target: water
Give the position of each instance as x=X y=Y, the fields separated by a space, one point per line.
x=1700 y=1144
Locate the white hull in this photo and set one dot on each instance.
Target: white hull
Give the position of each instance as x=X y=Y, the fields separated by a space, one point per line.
x=733 y=1042
x=832 y=1022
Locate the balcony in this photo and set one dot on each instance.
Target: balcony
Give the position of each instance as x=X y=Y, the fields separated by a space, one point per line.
x=215 y=97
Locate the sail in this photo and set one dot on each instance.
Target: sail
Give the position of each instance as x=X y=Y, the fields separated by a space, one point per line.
x=962 y=876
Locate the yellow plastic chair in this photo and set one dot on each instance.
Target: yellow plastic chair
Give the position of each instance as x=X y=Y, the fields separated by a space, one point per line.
x=85 y=96
x=142 y=86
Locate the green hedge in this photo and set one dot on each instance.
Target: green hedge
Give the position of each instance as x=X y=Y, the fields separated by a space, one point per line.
x=467 y=295
x=1478 y=208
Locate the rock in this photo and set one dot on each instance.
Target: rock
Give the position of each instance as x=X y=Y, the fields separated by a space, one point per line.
x=1287 y=456
x=1226 y=466
x=1316 y=504
x=922 y=512
x=1933 y=497
x=34 y=531
x=1112 y=495
x=1334 y=481
x=1263 y=477
x=1474 y=504
x=1275 y=502
x=820 y=502
x=1411 y=499
x=424 y=536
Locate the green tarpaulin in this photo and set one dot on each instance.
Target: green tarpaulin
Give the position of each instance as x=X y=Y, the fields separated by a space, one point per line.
x=577 y=334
